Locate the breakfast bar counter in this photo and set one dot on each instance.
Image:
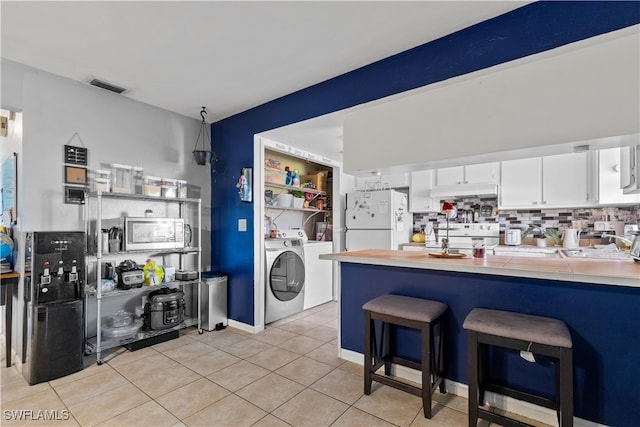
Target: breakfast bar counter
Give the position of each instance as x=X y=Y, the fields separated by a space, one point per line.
x=596 y=271
x=598 y=299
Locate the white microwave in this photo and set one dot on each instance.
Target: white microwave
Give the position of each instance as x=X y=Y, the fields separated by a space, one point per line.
x=153 y=233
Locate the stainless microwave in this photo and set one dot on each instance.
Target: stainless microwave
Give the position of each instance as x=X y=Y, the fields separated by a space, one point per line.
x=153 y=233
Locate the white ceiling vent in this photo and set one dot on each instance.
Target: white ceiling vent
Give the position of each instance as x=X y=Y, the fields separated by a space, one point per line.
x=107 y=86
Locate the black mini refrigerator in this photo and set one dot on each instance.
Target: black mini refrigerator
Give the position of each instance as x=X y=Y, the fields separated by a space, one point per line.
x=55 y=308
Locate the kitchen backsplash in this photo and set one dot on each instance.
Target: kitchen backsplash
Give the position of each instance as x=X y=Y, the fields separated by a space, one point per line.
x=548 y=218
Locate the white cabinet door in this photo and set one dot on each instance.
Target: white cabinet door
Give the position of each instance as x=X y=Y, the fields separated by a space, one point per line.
x=482 y=173
x=520 y=183
x=450 y=176
x=318 y=281
x=609 y=187
x=565 y=180
x=419 y=189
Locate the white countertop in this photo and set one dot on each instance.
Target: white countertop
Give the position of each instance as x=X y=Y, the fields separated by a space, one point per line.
x=595 y=271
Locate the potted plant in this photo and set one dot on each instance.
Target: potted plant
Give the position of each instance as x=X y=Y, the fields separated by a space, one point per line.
x=298 y=198
x=551 y=233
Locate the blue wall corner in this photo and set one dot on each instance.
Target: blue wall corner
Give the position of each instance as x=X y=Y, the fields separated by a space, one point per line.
x=531 y=29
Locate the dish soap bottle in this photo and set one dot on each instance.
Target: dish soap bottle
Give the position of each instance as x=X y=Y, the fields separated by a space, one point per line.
x=289 y=178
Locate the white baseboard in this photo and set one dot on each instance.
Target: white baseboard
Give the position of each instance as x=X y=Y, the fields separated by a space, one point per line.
x=505 y=403
x=245 y=327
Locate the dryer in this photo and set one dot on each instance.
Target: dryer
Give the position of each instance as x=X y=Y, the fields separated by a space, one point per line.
x=284 y=281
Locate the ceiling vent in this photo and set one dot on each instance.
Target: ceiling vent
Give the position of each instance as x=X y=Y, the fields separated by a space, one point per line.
x=107 y=86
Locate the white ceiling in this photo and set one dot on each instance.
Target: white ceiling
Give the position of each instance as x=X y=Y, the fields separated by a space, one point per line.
x=228 y=56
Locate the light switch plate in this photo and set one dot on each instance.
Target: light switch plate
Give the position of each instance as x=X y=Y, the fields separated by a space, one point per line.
x=242 y=224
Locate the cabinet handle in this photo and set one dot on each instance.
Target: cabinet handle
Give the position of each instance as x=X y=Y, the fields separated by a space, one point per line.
x=534 y=203
x=544 y=202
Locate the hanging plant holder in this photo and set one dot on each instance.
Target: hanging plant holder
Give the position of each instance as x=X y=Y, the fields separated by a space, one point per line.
x=203 y=157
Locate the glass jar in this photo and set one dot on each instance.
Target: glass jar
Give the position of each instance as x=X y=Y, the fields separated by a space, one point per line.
x=478 y=247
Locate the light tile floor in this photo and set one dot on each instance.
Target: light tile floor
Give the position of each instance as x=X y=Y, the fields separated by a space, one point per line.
x=288 y=375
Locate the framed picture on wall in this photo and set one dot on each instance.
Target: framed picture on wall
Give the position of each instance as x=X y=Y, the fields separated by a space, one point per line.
x=245 y=185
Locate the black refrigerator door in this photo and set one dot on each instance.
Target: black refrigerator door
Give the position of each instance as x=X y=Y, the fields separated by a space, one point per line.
x=56 y=342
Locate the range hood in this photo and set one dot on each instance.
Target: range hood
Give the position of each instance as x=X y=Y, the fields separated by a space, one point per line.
x=464 y=190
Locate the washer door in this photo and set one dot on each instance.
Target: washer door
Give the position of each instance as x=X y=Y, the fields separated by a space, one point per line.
x=286 y=278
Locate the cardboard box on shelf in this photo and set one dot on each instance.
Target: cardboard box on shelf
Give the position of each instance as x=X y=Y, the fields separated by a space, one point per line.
x=319 y=179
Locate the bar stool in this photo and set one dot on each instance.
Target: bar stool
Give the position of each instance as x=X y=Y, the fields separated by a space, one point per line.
x=410 y=312
x=535 y=334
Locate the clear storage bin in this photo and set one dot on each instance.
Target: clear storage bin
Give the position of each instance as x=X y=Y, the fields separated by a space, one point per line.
x=152 y=186
x=121 y=178
x=169 y=187
x=101 y=180
x=182 y=189
x=138 y=179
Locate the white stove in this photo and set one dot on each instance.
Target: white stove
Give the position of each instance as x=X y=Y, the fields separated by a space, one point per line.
x=460 y=235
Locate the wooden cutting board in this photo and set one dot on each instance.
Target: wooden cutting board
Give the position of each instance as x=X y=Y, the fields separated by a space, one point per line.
x=443 y=255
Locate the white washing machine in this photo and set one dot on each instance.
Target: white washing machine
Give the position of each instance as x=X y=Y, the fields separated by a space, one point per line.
x=284 y=281
x=318 y=285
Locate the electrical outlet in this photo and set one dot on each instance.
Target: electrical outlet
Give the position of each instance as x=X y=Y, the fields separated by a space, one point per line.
x=242 y=224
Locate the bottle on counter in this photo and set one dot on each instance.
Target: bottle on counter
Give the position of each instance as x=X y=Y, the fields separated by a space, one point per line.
x=476 y=212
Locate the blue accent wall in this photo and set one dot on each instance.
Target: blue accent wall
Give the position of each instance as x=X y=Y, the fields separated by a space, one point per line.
x=531 y=29
x=603 y=321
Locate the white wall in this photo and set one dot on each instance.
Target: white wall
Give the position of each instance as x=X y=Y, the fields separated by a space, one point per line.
x=587 y=90
x=113 y=127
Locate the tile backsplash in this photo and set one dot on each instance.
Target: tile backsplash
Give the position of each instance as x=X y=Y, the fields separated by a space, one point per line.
x=582 y=218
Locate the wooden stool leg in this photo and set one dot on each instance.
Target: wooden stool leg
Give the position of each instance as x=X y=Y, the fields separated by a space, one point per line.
x=369 y=348
x=426 y=369
x=565 y=396
x=386 y=345
x=472 y=368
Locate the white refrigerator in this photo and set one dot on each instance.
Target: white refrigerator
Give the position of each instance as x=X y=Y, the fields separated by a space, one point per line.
x=377 y=220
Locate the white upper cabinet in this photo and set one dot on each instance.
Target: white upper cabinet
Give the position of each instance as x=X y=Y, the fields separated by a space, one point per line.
x=450 y=176
x=482 y=173
x=609 y=186
x=419 y=192
x=561 y=180
x=565 y=180
x=520 y=183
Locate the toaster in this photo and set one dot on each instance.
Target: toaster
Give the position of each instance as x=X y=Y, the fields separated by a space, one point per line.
x=512 y=237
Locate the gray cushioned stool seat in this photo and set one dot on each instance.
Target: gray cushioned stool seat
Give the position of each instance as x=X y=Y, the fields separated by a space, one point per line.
x=418 y=309
x=525 y=327
x=523 y=332
x=415 y=313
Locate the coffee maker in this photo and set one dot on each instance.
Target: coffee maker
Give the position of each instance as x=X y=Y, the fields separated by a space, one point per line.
x=54 y=304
